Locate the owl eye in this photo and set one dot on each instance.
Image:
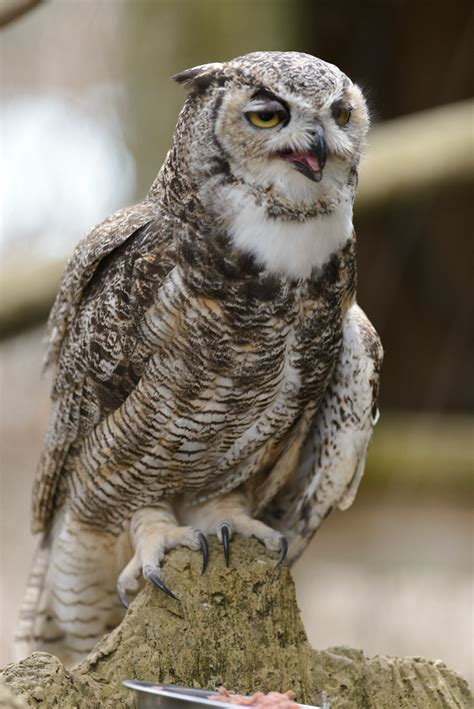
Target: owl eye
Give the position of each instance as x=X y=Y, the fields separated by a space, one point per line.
x=265 y=119
x=342 y=115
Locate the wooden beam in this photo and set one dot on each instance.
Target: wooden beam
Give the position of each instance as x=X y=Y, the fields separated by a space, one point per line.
x=415 y=154
x=11 y=10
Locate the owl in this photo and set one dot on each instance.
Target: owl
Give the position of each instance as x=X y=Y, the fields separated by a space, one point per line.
x=213 y=374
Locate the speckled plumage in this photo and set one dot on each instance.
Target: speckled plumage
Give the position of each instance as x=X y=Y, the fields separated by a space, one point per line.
x=211 y=363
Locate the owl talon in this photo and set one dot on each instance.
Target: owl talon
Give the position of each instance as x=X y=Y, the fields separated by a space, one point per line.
x=204 y=550
x=283 y=552
x=150 y=575
x=225 y=534
x=122 y=594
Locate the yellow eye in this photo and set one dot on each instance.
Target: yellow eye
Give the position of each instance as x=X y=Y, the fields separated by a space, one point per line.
x=342 y=116
x=264 y=119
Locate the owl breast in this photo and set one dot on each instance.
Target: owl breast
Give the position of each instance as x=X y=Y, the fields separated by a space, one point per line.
x=230 y=358
x=244 y=361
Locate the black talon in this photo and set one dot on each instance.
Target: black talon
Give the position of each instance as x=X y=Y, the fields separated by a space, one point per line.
x=283 y=552
x=122 y=596
x=225 y=542
x=151 y=576
x=205 y=551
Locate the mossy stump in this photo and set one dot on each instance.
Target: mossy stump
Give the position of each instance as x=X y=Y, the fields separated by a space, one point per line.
x=239 y=627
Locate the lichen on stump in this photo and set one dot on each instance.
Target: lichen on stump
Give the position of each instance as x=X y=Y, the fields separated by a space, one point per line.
x=239 y=627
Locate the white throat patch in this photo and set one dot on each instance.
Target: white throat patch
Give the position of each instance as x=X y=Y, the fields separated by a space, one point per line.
x=287 y=248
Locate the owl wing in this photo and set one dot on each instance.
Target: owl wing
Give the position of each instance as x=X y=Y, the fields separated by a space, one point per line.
x=333 y=455
x=70 y=333
x=99 y=243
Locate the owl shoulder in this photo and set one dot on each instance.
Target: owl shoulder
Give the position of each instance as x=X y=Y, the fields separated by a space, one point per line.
x=105 y=238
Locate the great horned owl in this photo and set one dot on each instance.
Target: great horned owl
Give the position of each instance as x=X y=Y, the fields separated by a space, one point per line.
x=214 y=374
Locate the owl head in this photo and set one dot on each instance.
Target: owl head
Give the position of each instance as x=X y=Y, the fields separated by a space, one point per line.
x=286 y=125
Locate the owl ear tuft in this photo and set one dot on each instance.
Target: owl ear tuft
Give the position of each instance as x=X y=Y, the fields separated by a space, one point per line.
x=200 y=77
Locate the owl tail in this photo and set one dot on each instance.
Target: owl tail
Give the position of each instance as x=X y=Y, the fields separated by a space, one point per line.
x=70 y=599
x=24 y=635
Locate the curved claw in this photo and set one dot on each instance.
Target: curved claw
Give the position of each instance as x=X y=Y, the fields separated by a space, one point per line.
x=204 y=550
x=121 y=593
x=283 y=552
x=151 y=576
x=225 y=533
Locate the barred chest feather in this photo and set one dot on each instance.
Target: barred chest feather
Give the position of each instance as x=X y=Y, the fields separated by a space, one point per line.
x=234 y=354
x=253 y=350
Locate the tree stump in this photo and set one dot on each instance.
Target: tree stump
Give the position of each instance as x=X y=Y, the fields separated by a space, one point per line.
x=239 y=627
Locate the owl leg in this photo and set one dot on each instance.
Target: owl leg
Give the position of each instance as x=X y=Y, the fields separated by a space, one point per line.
x=154 y=531
x=228 y=515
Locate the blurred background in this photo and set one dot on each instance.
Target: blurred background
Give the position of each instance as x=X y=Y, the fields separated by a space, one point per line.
x=87 y=112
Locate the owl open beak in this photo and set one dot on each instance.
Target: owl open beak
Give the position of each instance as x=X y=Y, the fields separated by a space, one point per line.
x=309 y=162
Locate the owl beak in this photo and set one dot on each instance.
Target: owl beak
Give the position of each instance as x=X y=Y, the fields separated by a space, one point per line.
x=319 y=148
x=310 y=162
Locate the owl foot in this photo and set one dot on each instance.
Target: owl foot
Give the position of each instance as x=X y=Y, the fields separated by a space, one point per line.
x=227 y=529
x=228 y=515
x=155 y=531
